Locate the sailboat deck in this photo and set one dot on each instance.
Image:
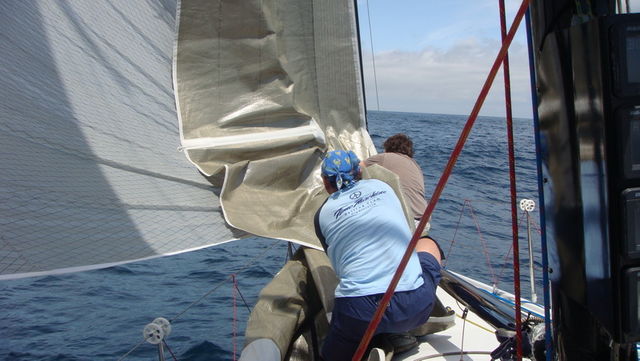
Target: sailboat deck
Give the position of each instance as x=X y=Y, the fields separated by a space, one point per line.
x=472 y=338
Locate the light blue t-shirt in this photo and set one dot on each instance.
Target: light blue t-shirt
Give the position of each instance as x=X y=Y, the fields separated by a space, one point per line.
x=366 y=235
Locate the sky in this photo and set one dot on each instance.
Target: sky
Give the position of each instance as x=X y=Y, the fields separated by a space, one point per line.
x=433 y=56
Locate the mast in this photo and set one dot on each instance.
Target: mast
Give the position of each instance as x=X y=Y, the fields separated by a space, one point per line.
x=587 y=62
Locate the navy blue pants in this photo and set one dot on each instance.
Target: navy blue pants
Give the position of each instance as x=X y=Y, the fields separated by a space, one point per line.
x=407 y=310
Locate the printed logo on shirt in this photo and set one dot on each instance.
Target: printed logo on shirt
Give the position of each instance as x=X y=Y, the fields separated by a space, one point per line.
x=360 y=203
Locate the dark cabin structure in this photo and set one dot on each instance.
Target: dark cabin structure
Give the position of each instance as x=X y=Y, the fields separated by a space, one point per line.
x=587 y=57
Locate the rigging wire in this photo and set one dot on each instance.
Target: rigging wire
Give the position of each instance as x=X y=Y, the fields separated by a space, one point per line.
x=508 y=253
x=453 y=240
x=243 y=268
x=483 y=242
x=373 y=58
x=512 y=183
x=441 y=183
x=132 y=349
x=170 y=351
x=234 y=322
x=505 y=258
x=484 y=245
x=242 y=297
x=468 y=203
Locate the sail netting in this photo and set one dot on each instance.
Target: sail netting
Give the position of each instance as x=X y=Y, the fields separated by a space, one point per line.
x=263 y=89
x=90 y=172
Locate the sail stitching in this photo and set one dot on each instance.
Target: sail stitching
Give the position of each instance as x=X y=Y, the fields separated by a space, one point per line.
x=81 y=202
x=61 y=148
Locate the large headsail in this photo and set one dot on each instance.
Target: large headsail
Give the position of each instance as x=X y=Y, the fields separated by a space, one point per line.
x=263 y=88
x=90 y=174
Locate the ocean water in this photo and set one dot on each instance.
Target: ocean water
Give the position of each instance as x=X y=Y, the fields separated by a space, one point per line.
x=100 y=315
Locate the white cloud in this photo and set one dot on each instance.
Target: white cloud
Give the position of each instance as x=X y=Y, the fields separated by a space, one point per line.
x=434 y=80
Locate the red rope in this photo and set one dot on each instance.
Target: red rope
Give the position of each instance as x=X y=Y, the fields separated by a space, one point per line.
x=441 y=183
x=170 y=350
x=512 y=182
x=485 y=249
x=453 y=240
x=508 y=253
x=535 y=225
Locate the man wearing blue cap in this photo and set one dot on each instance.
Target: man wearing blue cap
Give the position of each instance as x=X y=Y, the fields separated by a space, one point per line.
x=364 y=231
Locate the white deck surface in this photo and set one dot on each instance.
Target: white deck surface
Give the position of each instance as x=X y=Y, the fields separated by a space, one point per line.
x=474 y=339
x=478 y=339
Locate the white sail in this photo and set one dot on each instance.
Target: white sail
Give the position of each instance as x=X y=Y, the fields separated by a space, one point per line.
x=90 y=175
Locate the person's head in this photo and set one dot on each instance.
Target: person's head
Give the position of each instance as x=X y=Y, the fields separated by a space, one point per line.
x=340 y=170
x=399 y=143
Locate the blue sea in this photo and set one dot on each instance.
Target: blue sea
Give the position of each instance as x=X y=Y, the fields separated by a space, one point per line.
x=100 y=315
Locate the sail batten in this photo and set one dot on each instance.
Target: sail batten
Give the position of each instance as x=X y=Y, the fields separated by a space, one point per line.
x=213 y=142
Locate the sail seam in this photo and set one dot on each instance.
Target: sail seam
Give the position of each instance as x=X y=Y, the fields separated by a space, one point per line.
x=113 y=164
x=81 y=202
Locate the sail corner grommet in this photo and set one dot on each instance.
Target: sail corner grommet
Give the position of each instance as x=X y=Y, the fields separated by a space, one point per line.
x=156 y=331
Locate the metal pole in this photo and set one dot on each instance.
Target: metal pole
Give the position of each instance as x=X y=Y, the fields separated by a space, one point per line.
x=543 y=226
x=528 y=205
x=160 y=352
x=532 y=278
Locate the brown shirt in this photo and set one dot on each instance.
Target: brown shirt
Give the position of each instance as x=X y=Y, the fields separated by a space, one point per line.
x=410 y=175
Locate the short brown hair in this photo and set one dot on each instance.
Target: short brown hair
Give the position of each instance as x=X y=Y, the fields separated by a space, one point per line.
x=399 y=143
